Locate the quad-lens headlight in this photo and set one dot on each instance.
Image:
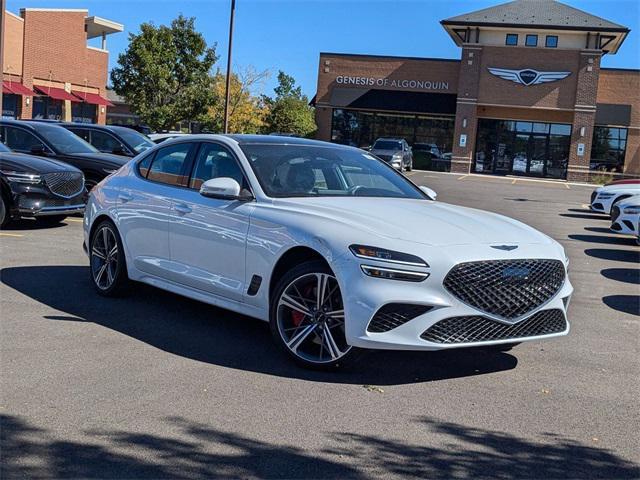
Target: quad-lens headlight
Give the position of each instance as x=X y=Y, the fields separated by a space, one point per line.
x=22 y=177
x=631 y=210
x=389 y=256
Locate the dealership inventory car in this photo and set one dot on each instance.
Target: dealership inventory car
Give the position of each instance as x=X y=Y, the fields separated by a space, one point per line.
x=334 y=248
x=604 y=198
x=162 y=137
x=395 y=151
x=625 y=216
x=37 y=187
x=53 y=141
x=111 y=139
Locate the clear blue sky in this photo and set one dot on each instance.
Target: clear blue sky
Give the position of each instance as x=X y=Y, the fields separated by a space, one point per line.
x=288 y=35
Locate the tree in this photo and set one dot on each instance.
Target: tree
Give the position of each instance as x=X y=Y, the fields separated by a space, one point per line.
x=289 y=110
x=246 y=110
x=165 y=73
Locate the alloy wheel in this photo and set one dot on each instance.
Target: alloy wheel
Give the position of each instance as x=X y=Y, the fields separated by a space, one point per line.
x=104 y=257
x=310 y=318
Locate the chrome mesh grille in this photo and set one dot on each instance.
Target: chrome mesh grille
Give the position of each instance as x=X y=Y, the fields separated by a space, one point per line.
x=393 y=315
x=506 y=288
x=480 y=329
x=65 y=184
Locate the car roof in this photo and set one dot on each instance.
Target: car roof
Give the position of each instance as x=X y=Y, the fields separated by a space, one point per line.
x=277 y=140
x=395 y=139
x=32 y=124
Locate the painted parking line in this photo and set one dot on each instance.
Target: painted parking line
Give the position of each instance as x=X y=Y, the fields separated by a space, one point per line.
x=514 y=181
x=3 y=234
x=463 y=177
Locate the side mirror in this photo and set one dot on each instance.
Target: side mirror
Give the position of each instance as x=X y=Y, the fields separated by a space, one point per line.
x=38 y=149
x=430 y=193
x=225 y=188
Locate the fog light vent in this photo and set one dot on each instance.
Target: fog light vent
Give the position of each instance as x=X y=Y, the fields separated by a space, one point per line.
x=392 y=315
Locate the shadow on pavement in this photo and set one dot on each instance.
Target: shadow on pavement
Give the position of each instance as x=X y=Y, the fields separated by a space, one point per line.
x=200 y=451
x=610 y=240
x=201 y=332
x=630 y=256
x=26 y=224
x=624 y=303
x=599 y=230
x=626 y=275
x=585 y=216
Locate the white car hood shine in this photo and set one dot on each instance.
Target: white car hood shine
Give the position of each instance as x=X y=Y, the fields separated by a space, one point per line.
x=420 y=221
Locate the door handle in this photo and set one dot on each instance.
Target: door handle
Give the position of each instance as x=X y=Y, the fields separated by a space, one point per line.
x=125 y=197
x=182 y=209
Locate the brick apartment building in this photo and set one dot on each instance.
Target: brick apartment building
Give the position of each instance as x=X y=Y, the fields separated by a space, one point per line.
x=527 y=97
x=49 y=70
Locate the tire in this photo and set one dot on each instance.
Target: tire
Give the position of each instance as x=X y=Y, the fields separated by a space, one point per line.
x=5 y=217
x=410 y=166
x=107 y=263
x=317 y=338
x=50 y=220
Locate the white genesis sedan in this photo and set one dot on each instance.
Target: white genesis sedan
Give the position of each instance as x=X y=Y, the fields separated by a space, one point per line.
x=333 y=247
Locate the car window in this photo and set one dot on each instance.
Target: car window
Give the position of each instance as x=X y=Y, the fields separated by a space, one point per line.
x=104 y=142
x=63 y=140
x=387 y=145
x=83 y=133
x=20 y=140
x=215 y=161
x=138 y=142
x=144 y=164
x=3 y=148
x=169 y=165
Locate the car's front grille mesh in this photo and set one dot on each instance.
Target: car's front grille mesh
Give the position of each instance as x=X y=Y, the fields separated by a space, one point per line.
x=480 y=329
x=507 y=288
x=393 y=315
x=64 y=184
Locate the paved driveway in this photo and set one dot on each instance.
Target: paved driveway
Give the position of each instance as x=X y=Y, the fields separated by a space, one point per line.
x=157 y=386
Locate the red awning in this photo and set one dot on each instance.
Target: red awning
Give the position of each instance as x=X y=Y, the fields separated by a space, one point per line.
x=16 y=88
x=92 y=98
x=56 y=93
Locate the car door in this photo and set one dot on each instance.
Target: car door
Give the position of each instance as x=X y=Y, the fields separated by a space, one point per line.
x=23 y=141
x=207 y=236
x=144 y=207
x=108 y=143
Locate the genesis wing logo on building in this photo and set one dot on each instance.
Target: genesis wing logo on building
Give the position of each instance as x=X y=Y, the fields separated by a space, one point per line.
x=528 y=76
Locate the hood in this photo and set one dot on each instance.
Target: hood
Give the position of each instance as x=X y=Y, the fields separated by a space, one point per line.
x=419 y=221
x=20 y=162
x=620 y=187
x=386 y=153
x=106 y=158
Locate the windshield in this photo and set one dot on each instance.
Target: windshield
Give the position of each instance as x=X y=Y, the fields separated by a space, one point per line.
x=387 y=145
x=63 y=141
x=136 y=140
x=4 y=148
x=319 y=171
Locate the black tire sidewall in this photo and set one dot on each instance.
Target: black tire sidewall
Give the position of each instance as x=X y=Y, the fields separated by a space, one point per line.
x=4 y=212
x=313 y=266
x=121 y=277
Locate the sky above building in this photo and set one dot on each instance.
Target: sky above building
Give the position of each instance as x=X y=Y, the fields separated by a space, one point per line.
x=289 y=35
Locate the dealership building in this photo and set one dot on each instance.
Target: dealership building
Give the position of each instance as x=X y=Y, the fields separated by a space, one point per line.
x=49 y=69
x=528 y=96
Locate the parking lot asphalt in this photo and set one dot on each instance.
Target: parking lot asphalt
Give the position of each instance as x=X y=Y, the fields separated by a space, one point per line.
x=153 y=385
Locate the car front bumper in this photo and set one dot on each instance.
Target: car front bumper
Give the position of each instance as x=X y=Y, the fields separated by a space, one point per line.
x=364 y=296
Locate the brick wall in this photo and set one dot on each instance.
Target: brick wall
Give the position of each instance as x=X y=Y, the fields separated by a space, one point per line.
x=13 y=32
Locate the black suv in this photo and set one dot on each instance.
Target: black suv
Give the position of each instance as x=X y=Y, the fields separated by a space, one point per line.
x=111 y=139
x=53 y=141
x=38 y=187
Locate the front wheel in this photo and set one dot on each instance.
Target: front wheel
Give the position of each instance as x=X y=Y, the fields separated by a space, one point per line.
x=307 y=317
x=107 y=260
x=410 y=166
x=4 y=213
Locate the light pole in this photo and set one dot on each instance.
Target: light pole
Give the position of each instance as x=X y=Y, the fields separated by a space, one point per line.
x=227 y=88
x=2 y=5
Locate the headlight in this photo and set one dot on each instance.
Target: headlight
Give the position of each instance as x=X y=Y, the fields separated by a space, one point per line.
x=397 y=156
x=605 y=195
x=392 y=274
x=631 y=210
x=22 y=177
x=384 y=255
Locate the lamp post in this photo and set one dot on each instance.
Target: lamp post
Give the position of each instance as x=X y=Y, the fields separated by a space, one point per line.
x=228 y=79
x=2 y=6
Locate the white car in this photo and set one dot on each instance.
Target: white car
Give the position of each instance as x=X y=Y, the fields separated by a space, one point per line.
x=604 y=198
x=161 y=137
x=625 y=216
x=333 y=247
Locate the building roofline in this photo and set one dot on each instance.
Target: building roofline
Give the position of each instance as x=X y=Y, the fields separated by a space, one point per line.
x=546 y=26
x=14 y=15
x=620 y=69
x=75 y=10
x=400 y=57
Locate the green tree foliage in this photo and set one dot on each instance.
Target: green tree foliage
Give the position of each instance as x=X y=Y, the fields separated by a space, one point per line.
x=165 y=73
x=289 y=110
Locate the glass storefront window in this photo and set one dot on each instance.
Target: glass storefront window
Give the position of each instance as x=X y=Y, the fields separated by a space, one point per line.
x=82 y=112
x=10 y=105
x=608 y=149
x=506 y=147
x=430 y=137
x=47 y=107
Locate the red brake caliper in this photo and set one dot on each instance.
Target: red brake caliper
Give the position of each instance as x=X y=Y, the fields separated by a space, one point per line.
x=297 y=317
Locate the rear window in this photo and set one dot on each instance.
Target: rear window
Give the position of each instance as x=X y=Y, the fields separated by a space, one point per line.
x=387 y=145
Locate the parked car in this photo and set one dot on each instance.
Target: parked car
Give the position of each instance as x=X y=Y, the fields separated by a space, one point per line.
x=625 y=216
x=56 y=142
x=36 y=187
x=111 y=139
x=329 y=244
x=161 y=137
x=432 y=148
x=604 y=198
x=395 y=151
